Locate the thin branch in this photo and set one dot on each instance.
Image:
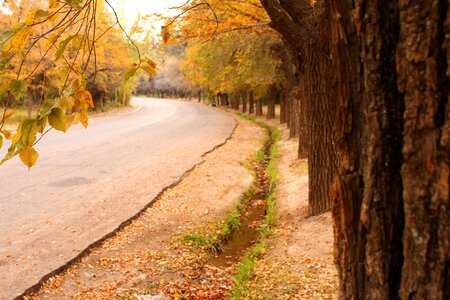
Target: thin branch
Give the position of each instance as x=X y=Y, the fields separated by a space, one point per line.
x=123 y=30
x=42 y=135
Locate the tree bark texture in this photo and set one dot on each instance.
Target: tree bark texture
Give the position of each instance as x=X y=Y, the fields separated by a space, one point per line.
x=423 y=77
x=321 y=157
x=388 y=87
x=312 y=43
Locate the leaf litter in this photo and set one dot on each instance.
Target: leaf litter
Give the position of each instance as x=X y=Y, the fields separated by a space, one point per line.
x=147 y=260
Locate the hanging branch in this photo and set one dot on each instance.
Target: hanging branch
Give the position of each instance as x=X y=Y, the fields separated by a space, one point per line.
x=124 y=31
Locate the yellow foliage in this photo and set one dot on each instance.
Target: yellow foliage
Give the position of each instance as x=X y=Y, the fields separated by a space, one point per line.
x=82 y=100
x=18 y=41
x=28 y=156
x=8 y=113
x=53 y=4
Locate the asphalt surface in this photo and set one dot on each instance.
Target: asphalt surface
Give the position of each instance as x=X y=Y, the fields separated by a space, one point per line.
x=87 y=182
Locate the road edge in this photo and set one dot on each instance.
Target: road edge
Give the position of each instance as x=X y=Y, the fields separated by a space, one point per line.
x=35 y=287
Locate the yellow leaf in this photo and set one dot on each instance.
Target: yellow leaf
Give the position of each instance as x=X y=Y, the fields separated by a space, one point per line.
x=29 y=131
x=28 y=156
x=83 y=118
x=130 y=71
x=7 y=134
x=57 y=120
x=72 y=119
x=52 y=4
x=66 y=102
x=41 y=123
x=149 y=69
x=36 y=15
x=165 y=34
x=16 y=138
x=150 y=62
x=8 y=113
x=82 y=100
x=19 y=39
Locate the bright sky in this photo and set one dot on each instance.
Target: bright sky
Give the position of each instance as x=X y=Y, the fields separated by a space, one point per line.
x=131 y=9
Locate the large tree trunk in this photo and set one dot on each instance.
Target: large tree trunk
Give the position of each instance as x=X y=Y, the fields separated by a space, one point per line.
x=368 y=211
x=321 y=157
x=423 y=65
x=389 y=75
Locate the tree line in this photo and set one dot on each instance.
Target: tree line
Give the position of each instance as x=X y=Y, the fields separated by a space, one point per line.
x=366 y=86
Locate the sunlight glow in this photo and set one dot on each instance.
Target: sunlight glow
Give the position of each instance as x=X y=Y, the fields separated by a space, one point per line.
x=129 y=11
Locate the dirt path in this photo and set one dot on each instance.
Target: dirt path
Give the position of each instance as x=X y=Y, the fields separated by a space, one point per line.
x=145 y=256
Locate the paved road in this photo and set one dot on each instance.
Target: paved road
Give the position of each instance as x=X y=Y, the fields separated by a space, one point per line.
x=87 y=182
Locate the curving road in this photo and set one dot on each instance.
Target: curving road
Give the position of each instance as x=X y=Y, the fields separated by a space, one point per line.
x=87 y=182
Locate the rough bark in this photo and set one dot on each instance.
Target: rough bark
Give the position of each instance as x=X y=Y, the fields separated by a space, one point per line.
x=311 y=41
x=389 y=75
x=367 y=193
x=321 y=158
x=423 y=76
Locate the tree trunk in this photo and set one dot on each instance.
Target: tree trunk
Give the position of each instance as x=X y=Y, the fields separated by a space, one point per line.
x=251 y=103
x=389 y=75
x=236 y=100
x=271 y=103
x=244 y=102
x=368 y=213
x=283 y=107
x=321 y=158
x=294 y=113
x=423 y=78
x=259 y=111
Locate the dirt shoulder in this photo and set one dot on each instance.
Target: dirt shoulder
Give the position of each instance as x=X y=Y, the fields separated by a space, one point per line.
x=147 y=258
x=145 y=255
x=299 y=261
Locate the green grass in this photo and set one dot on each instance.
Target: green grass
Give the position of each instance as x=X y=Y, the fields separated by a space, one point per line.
x=246 y=270
x=211 y=236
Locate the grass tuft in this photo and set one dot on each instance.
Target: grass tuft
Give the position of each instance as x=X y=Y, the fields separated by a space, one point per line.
x=246 y=270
